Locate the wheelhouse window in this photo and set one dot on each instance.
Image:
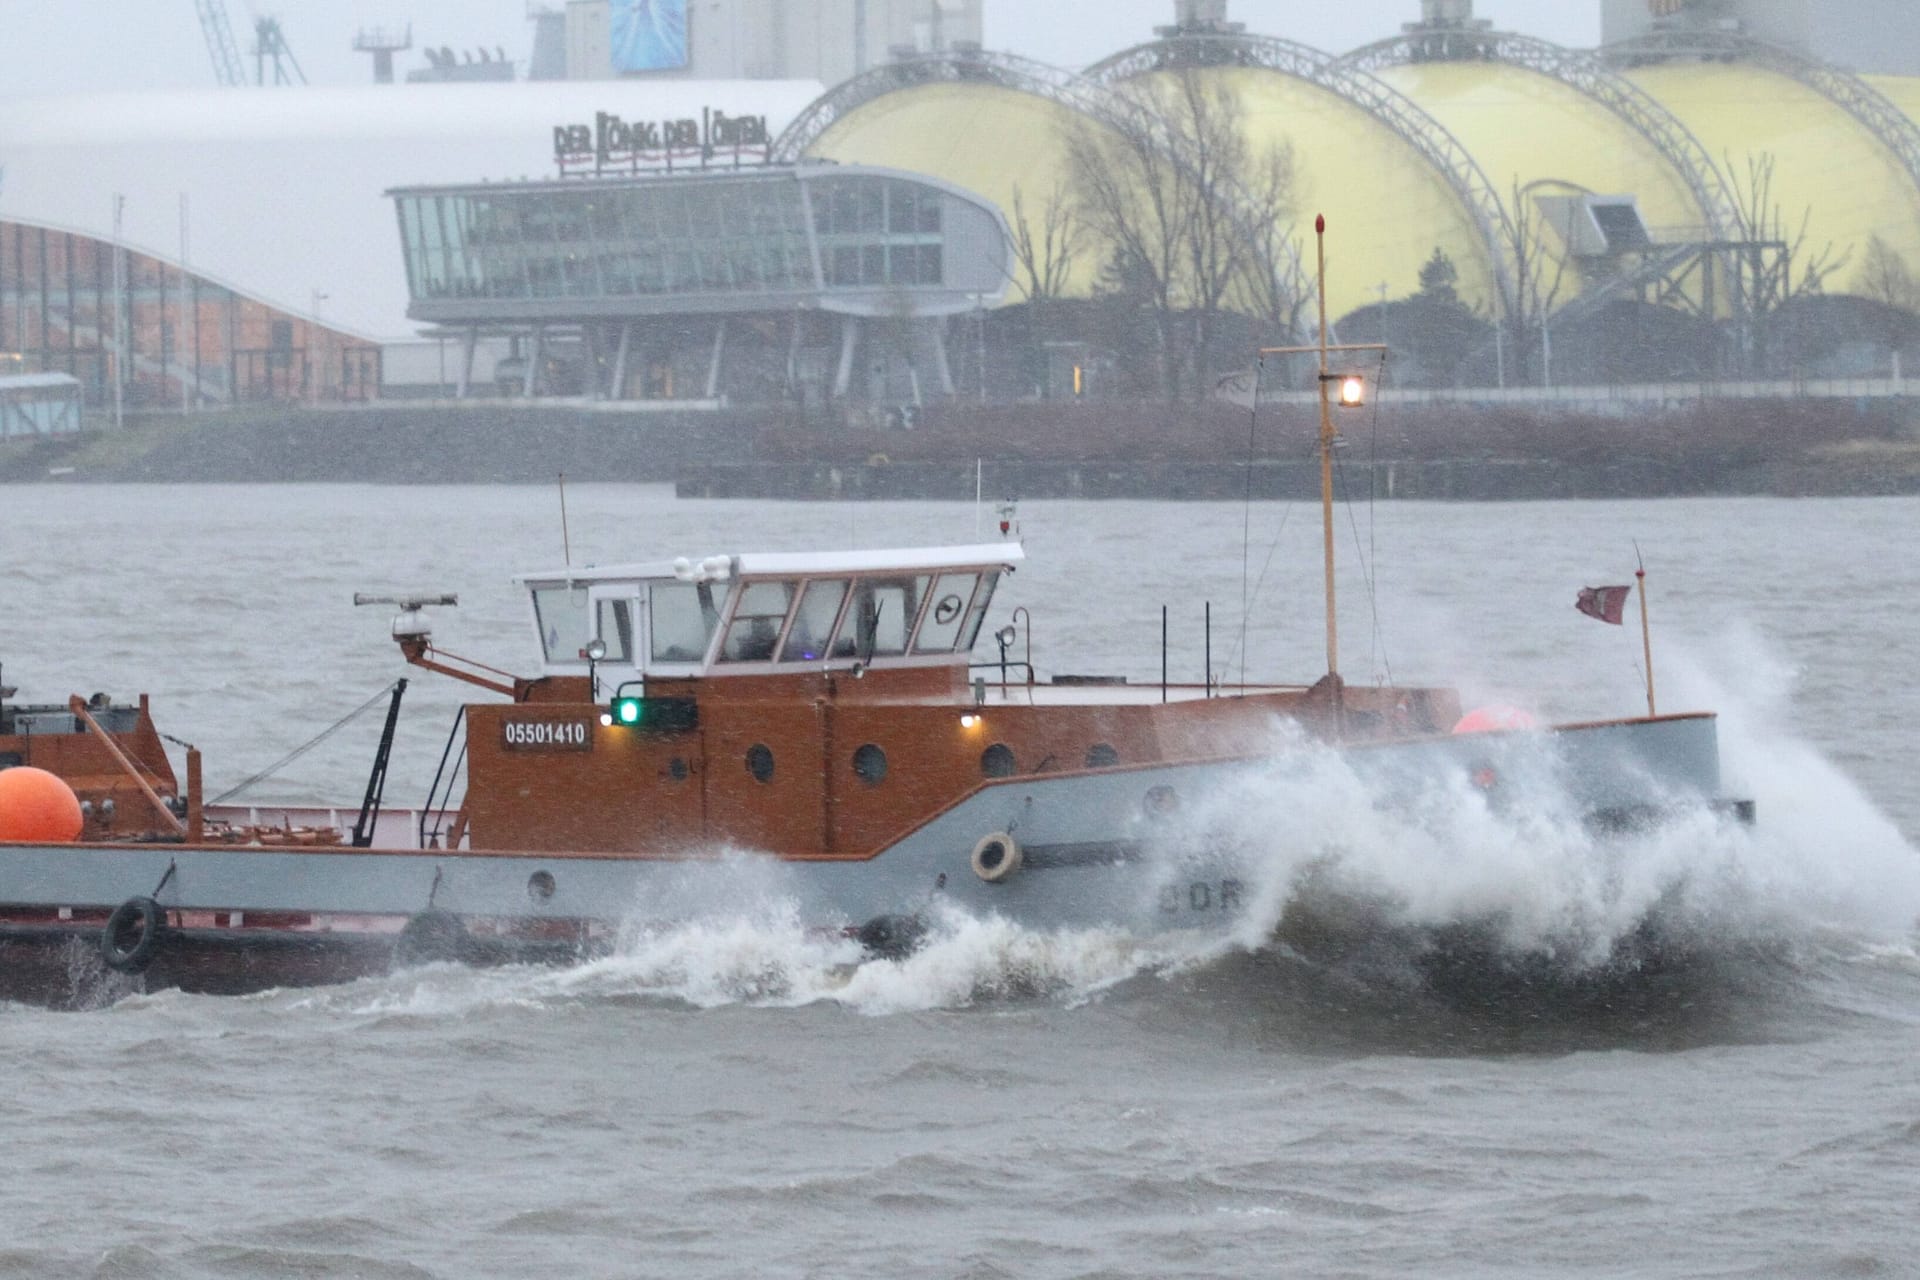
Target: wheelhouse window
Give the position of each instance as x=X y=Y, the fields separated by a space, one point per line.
x=562 y=614
x=952 y=594
x=757 y=620
x=615 y=622
x=882 y=617
x=684 y=616
x=970 y=630
x=813 y=621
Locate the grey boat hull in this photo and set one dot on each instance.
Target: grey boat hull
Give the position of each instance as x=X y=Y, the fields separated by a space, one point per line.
x=1143 y=850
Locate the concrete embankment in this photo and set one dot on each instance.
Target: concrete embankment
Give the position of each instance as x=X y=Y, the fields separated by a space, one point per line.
x=1445 y=480
x=1140 y=452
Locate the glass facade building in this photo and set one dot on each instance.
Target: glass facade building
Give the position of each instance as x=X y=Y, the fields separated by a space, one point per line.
x=859 y=243
x=595 y=262
x=183 y=340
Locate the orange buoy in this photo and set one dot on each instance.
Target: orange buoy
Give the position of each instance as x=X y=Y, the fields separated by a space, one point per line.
x=1495 y=719
x=37 y=806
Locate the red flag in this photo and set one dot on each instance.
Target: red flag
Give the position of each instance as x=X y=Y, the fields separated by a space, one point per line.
x=1607 y=604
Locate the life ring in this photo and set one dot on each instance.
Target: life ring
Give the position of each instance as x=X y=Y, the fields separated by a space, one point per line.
x=996 y=857
x=879 y=460
x=432 y=937
x=132 y=935
x=892 y=937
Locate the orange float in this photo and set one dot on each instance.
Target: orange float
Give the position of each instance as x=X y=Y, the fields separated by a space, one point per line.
x=1496 y=719
x=37 y=806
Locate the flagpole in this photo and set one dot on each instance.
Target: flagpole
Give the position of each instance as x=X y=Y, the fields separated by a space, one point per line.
x=1646 y=636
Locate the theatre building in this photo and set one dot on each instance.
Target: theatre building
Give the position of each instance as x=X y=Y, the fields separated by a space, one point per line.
x=754 y=284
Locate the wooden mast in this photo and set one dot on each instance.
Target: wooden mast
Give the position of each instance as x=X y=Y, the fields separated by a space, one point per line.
x=1326 y=453
x=1328 y=437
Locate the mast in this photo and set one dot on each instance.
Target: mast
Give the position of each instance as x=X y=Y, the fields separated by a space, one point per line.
x=1326 y=452
x=1352 y=395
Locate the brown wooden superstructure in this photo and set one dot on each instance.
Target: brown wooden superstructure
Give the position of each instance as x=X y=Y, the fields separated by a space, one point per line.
x=110 y=754
x=832 y=752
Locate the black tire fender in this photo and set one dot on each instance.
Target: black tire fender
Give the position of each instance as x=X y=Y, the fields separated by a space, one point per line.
x=131 y=936
x=432 y=937
x=892 y=937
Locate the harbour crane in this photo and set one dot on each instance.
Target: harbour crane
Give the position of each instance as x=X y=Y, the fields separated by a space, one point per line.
x=227 y=68
x=269 y=44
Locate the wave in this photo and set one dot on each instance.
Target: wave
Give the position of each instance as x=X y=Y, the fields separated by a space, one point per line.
x=1471 y=917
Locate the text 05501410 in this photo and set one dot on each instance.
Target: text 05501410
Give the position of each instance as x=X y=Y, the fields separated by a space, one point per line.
x=547 y=735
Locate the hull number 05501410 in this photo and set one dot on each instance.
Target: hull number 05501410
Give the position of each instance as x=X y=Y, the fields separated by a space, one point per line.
x=547 y=735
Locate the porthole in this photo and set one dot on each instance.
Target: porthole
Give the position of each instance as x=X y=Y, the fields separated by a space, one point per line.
x=540 y=886
x=997 y=761
x=1101 y=755
x=870 y=764
x=1160 y=802
x=677 y=769
x=760 y=762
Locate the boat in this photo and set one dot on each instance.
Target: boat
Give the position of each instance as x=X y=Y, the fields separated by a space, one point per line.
x=818 y=726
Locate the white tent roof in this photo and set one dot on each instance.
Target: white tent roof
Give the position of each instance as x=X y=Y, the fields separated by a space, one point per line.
x=284 y=186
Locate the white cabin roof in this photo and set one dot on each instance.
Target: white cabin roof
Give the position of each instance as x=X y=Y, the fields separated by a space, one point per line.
x=1007 y=555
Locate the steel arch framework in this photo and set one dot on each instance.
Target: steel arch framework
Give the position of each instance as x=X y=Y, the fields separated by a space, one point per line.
x=1876 y=112
x=1590 y=76
x=1088 y=97
x=1443 y=152
x=1001 y=70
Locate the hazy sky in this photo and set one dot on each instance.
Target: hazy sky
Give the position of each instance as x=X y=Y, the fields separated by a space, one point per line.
x=56 y=46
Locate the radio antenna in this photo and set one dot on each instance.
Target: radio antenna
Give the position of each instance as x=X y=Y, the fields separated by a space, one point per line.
x=566 y=539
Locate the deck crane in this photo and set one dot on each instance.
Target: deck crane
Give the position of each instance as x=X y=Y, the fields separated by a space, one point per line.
x=269 y=45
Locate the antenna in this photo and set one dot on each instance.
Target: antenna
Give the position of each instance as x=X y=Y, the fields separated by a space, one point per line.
x=410 y=622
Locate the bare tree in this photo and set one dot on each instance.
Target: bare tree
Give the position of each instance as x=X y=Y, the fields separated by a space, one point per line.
x=1763 y=278
x=1273 y=286
x=1127 y=187
x=1046 y=254
x=1216 y=159
x=1189 y=210
x=1539 y=272
x=1885 y=277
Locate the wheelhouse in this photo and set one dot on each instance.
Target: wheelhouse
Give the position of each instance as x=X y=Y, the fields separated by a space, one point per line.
x=767 y=614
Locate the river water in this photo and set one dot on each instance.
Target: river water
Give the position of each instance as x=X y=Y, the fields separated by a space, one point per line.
x=737 y=1098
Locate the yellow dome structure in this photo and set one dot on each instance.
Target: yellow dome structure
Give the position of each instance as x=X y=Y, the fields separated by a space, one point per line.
x=1388 y=207
x=997 y=125
x=1670 y=171
x=1828 y=172
x=999 y=140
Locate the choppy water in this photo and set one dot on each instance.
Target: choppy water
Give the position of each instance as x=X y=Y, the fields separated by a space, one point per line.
x=736 y=1097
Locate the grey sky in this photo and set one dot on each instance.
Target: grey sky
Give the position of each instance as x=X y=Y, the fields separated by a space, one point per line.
x=59 y=46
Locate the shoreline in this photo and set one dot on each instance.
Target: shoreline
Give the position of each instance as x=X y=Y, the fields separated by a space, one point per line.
x=1043 y=454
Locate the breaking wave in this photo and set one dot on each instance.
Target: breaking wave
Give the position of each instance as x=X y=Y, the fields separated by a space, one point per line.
x=1520 y=910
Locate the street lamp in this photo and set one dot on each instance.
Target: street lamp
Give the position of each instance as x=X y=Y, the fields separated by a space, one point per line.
x=316 y=366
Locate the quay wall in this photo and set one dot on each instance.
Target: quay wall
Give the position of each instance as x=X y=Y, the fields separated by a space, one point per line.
x=1215 y=452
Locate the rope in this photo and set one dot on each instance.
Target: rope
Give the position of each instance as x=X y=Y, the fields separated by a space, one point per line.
x=1246 y=521
x=299 y=751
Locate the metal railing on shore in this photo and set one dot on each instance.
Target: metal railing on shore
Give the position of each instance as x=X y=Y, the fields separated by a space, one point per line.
x=1624 y=398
